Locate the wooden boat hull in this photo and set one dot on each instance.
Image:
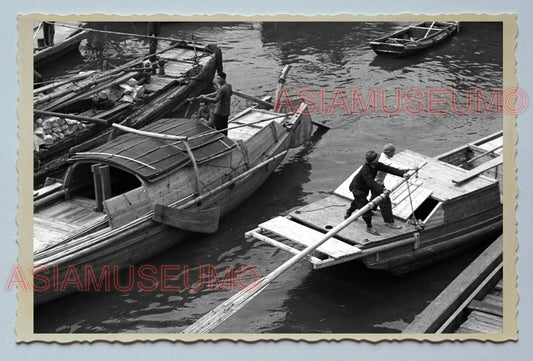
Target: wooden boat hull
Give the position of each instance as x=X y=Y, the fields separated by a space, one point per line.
x=67 y=266
x=437 y=244
x=64 y=44
x=395 y=46
x=51 y=160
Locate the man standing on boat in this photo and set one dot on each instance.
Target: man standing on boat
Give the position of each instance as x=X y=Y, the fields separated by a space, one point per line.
x=222 y=100
x=363 y=182
x=385 y=158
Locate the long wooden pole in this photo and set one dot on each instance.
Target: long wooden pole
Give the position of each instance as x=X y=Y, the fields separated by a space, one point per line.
x=126 y=34
x=223 y=311
x=150 y=134
x=57 y=83
x=253 y=99
x=82 y=118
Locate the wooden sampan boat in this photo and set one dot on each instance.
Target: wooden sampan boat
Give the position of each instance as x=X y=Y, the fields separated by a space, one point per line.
x=454 y=203
x=414 y=38
x=146 y=190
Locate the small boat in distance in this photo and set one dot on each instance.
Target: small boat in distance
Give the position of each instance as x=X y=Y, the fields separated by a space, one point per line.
x=149 y=189
x=454 y=202
x=414 y=38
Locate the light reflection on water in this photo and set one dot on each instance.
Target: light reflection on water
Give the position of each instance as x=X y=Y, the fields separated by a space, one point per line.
x=346 y=298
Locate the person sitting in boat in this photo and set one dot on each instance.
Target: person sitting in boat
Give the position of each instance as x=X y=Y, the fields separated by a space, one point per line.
x=203 y=114
x=363 y=182
x=222 y=100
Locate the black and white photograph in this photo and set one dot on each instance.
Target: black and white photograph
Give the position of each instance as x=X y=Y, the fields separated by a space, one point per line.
x=271 y=177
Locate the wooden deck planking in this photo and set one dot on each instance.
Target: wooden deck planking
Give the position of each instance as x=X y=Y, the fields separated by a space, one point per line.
x=403 y=210
x=438 y=177
x=256 y=115
x=307 y=236
x=177 y=69
x=63 y=220
x=157 y=82
x=329 y=212
x=486 y=308
x=242 y=133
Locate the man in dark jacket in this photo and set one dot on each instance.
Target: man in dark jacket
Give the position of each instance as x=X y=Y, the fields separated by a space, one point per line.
x=363 y=182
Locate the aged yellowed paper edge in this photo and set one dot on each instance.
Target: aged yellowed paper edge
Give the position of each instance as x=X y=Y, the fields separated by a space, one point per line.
x=24 y=321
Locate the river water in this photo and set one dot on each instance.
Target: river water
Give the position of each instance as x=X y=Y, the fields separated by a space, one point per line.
x=330 y=60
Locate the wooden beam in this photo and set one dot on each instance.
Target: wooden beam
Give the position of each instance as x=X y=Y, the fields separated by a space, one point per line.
x=95 y=168
x=105 y=179
x=150 y=134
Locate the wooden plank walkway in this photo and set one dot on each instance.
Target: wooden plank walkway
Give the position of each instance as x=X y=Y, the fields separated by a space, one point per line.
x=472 y=303
x=485 y=315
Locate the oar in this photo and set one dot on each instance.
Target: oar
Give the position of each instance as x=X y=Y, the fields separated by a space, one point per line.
x=223 y=311
x=433 y=23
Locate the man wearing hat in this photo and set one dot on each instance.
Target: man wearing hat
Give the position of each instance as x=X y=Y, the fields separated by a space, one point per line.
x=363 y=182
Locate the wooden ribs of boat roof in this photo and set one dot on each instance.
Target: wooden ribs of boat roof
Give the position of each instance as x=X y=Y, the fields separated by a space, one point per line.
x=151 y=157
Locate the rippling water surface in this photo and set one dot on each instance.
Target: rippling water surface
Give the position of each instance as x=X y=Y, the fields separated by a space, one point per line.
x=327 y=56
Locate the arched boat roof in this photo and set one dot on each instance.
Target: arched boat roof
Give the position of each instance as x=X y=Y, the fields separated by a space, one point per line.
x=151 y=158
